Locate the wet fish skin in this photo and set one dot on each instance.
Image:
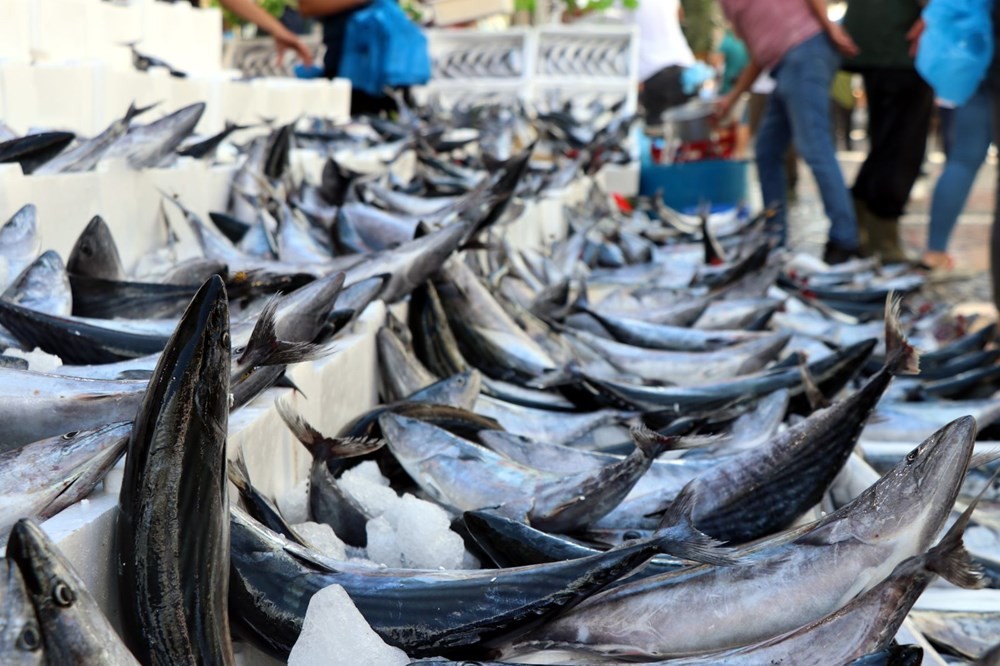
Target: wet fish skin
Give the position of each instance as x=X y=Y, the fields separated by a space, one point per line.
x=149 y=145
x=34 y=150
x=73 y=627
x=273 y=580
x=868 y=622
x=95 y=253
x=19 y=241
x=75 y=341
x=42 y=286
x=854 y=547
x=43 y=478
x=57 y=405
x=86 y=154
x=172 y=579
x=20 y=636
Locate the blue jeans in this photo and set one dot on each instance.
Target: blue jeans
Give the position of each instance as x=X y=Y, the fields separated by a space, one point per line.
x=799 y=110
x=970 y=135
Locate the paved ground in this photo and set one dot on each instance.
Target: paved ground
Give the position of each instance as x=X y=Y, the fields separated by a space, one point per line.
x=969 y=242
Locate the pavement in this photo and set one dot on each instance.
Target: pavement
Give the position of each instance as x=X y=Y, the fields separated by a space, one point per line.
x=969 y=288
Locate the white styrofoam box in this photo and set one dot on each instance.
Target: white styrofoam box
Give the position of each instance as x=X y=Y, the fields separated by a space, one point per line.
x=129 y=201
x=122 y=23
x=125 y=87
x=67 y=96
x=342 y=386
x=65 y=203
x=58 y=31
x=15 y=31
x=188 y=39
x=338 y=100
x=238 y=102
x=450 y=12
x=20 y=109
x=620 y=178
x=193 y=89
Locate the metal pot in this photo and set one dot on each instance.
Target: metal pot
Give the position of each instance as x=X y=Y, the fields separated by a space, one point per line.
x=690 y=122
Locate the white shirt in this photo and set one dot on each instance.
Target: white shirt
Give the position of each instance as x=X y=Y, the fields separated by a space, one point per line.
x=661 y=42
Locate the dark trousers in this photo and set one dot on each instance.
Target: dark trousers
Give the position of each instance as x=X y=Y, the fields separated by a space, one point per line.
x=661 y=91
x=899 y=116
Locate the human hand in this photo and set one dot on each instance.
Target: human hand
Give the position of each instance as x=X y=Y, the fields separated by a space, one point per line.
x=724 y=106
x=287 y=40
x=914 y=35
x=842 y=41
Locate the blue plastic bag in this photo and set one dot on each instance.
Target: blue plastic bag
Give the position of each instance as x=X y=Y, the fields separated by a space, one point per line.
x=383 y=49
x=956 y=48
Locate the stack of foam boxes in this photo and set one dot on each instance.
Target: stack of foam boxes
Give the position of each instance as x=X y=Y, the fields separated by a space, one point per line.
x=67 y=65
x=544 y=67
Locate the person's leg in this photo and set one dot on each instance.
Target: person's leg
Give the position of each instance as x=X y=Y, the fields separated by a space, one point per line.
x=773 y=138
x=804 y=80
x=900 y=107
x=995 y=231
x=967 y=154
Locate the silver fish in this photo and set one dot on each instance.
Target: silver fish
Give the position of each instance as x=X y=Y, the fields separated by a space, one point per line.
x=74 y=629
x=815 y=569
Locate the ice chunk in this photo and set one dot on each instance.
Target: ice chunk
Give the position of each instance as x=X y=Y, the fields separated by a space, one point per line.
x=334 y=631
x=322 y=538
x=38 y=361
x=294 y=503
x=369 y=488
x=414 y=534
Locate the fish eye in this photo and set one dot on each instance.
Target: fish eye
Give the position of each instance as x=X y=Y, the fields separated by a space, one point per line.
x=911 y=456
x=29 y=640
x=239 y=350
x=62 y=594
x=631 y=535
x=71 y=434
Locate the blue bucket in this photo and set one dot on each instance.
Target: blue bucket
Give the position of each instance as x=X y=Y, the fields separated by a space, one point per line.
x=686 y=186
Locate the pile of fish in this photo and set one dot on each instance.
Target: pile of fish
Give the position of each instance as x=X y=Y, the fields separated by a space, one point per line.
x=663 y=439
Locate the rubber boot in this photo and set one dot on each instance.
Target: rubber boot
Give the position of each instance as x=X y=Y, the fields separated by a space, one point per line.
x=865 y=222
x=883 y=240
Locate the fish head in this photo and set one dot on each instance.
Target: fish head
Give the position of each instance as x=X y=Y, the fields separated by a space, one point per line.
x=195 y=359
x=50 y=583
x=20 y=635
x=95 y=253
x=915 y=497
x=42 y=276
x=21 y=230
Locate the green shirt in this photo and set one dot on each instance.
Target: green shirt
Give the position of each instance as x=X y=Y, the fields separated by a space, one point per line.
x=879 y=29
x=736 y=57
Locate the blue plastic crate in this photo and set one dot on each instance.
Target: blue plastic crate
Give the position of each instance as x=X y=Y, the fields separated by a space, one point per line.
x=686 y=186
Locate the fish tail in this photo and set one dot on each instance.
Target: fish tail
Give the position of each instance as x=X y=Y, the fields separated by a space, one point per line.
x=265 y=348
x=652 y=443
x=238 y=475
x=320 y=446
x=901 y=356
x=678 y=536
x=950 y=559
